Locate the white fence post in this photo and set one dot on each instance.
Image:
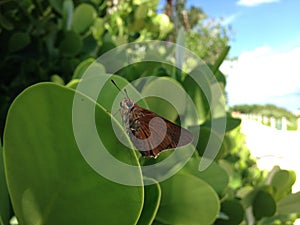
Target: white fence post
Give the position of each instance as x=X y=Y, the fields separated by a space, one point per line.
x=283 y=123
x=273 y=122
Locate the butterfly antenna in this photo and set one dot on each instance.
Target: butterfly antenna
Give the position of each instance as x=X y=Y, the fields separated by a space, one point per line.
x=125 y=91
x=115 y=85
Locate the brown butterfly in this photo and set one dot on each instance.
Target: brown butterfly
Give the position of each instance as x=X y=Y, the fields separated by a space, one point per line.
x=150 y=133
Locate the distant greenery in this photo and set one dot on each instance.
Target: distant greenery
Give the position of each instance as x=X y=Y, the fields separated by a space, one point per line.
x=268 y=110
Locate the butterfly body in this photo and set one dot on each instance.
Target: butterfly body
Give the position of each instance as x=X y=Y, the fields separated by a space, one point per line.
x=149 y=132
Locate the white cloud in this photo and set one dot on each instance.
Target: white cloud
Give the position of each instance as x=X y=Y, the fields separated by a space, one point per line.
x=254 y=2
x=264 y=76
x=229 y=19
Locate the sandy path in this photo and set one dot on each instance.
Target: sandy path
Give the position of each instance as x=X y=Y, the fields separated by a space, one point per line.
x=273 y=147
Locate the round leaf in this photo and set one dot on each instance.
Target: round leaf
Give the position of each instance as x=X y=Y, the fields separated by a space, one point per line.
x=263 y=205
x=170 y=95
x=233 y=210
x=49 y=181
x=283 y=181
x=98 y=28
x=18 y=41
x=83 y=18
x=214 y=175
x=187 y=200
x=71 y=44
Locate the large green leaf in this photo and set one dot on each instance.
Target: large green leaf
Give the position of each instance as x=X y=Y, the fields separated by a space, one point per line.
x=168 y=93
x=99 y=86
x=201 y=96
x=263 y=205
x=234 y=212
x=214 y=175
x=5 y=206
x=83 y=18
x=187 y=199
x=89 y=64
x=110 y=96
x=71 y=44
x=151 y=203
x=49 y=181
x=283 y=181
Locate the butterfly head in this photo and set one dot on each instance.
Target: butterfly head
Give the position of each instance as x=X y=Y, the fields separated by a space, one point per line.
x=127 y=104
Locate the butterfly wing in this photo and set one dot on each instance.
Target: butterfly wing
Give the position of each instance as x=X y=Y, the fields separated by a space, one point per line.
x=152 y=134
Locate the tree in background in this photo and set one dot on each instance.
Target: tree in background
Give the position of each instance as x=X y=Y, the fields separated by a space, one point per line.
x=205 y=36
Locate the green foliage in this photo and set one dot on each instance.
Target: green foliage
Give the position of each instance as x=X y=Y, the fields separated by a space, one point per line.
x=49 y=181
x=260 y=193
x=41 y=38
x=240 y=163
x=215 y=194
x=204 y=44
x=205 y=35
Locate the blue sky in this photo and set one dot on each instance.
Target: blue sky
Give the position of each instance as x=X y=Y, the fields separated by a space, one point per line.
x=275 y=23
x=266 y=41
